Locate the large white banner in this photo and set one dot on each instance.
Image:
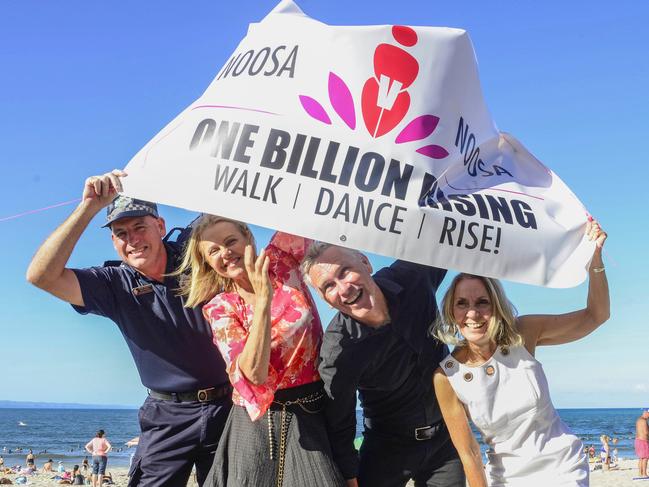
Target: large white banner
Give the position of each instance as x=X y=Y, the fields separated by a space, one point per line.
x=371 y=137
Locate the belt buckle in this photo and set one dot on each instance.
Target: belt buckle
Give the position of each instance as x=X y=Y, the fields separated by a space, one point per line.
x=425 y=433
x=202 y=395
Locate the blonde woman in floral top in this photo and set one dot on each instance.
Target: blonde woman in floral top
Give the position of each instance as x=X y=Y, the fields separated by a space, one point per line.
x=267 y=328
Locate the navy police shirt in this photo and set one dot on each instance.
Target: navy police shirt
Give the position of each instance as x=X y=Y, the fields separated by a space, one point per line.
x=171 y=345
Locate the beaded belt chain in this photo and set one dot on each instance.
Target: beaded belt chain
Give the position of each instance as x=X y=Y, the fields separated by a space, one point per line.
x=285 y=421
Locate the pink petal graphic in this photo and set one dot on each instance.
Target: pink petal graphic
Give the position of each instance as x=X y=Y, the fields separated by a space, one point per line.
x=433 y=151
x=313 y=108
x=419 y=128
x=342 y=100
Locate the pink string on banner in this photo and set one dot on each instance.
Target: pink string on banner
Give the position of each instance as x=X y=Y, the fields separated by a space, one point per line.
x=31 y=212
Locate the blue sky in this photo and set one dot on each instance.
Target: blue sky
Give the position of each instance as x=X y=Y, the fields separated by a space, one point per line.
x=85 y=85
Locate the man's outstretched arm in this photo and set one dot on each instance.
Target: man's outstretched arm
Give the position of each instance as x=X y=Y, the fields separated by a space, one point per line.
x=47 y=269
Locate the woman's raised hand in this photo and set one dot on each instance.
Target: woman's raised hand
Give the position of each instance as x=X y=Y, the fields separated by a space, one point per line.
x=595 y=232
x=254 y=360
x=258 y=274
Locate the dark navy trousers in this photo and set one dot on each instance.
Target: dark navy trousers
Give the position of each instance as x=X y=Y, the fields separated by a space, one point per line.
x=175 y=436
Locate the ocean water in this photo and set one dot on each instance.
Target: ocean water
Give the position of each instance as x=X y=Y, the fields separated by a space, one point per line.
x=588 y=425
x=60 y=434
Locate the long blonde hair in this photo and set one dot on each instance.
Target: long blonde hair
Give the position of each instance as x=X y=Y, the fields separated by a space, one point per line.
x=502 y=327
x=198 y=281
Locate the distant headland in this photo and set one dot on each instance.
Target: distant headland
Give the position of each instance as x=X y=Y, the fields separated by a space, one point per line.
x=4 y=404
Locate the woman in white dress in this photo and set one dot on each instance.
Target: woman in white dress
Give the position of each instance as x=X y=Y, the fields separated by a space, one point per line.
x=492 y=378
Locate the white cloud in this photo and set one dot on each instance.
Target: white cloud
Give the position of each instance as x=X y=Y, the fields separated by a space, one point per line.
x=641 y=387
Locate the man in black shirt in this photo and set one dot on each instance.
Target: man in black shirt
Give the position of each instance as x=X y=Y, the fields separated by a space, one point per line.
x=379 y=344
x=189 y=393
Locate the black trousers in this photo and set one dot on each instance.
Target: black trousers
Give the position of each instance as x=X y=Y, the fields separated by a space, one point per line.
x=174 y=437
x=390 y=461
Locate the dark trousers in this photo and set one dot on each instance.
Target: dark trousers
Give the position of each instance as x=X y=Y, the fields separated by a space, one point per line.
x=388 y=461
x=175 y=436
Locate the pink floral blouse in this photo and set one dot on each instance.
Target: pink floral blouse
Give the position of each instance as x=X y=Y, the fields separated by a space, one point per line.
x=296 y=332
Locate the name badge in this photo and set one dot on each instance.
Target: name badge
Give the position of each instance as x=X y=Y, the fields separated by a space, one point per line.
x=139 y=291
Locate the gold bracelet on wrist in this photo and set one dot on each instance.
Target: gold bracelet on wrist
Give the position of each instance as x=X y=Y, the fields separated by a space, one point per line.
x=597 y=270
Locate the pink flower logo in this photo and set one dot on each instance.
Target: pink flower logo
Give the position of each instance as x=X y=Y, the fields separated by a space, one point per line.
x=385 y=99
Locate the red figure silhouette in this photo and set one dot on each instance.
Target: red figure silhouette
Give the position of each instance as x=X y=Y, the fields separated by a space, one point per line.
x=385 y=100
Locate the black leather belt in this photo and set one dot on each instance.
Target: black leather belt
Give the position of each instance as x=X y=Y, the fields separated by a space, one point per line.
x=422 y=433
x=425 y=433
x=201 y=395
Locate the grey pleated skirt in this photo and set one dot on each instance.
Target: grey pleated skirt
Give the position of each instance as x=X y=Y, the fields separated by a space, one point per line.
x=243 y=457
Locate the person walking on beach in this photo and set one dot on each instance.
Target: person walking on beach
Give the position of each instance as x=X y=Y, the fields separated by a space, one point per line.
x=378 y=344
x=189 y=392
x=642 y=442
x=98 y=447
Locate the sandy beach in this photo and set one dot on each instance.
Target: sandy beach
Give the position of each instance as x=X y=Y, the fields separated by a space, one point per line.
x=619 y=477
x=622 y=476
x=119 y=475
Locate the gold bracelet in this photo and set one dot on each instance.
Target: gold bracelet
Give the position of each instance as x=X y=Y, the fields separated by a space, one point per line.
x=597 y=270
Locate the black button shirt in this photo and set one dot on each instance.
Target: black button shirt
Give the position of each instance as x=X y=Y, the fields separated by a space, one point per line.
x=391 y=366
x=171 y=345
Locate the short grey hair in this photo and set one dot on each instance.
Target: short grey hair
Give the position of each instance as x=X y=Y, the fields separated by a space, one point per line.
x=315 y=250
x=313 y=253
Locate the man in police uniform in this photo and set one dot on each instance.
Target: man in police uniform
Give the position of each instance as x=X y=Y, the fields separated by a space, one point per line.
x=189 y=393
x=379 y=345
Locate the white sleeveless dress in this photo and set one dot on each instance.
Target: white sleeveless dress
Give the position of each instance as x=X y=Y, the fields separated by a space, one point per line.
x=508 y=400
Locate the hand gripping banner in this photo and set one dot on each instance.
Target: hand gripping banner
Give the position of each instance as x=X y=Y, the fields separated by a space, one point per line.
x=370 y=137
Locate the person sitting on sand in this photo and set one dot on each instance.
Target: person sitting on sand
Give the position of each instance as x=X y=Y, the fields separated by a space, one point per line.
x=74 y=478
x=47 y=466
x=77 y=478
